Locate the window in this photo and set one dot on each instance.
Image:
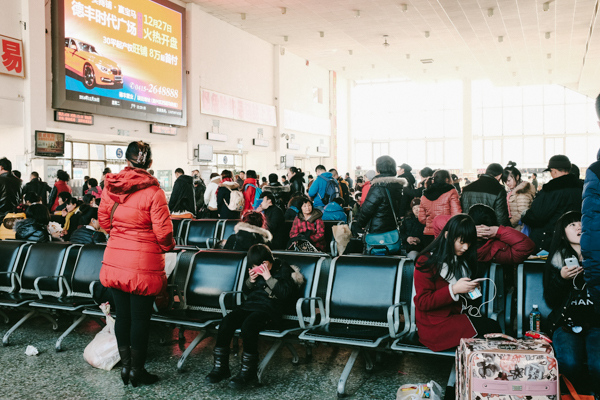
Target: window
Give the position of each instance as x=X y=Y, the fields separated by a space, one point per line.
x=435 y=153
x=81 y=151
x=492 y=151
x=512 y=121
x=492 y=121
x=380 y=149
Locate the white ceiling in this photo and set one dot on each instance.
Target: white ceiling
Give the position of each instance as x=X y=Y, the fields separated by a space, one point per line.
x=463 y=40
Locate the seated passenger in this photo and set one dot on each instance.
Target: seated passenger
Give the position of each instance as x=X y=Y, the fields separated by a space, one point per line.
x=95 y=189
x=293 y=207
x=29 y=199
x=309 y=226
x=334 y=211
x=63 y=197
x=275 y=220
x=271 y=287
x=90 y=200
x=575 y=325
x=411 y=230
x=442 y=274
x=89 y=232
x=69 y=217
x=249 y=232
x=35 y=227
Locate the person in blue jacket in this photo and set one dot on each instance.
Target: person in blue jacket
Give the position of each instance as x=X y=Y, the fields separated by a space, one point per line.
x=317 y=189
x=334 y=211
x=590 y=228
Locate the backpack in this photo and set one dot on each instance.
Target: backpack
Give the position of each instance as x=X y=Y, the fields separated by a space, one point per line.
x=236 y=200
x=332 y=190
x=257 y=193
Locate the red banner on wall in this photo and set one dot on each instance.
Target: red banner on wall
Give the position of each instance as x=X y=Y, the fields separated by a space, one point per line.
x=11 y=57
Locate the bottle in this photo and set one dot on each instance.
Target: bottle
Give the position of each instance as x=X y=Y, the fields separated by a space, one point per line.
x=535 y=319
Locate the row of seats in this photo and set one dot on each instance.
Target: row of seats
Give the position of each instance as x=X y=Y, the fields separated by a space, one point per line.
x=361 y=302
x=207 y=233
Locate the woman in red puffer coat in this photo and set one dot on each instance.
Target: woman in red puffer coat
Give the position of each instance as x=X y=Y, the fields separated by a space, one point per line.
x=134 y=212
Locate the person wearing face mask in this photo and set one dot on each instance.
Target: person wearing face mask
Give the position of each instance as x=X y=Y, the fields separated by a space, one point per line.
x=520 y=194
x=561 y=194
x=89 y=232
x=489 y=191
x=308 y=225
x=442 y=279
x=275 y=220
x=575 y=325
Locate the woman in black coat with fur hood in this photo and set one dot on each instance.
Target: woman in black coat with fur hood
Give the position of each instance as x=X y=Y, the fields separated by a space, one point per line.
x=249 y=232
x=272 y=287
x=376 y=212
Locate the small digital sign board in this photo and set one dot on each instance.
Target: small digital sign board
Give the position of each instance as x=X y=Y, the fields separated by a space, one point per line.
x=49 y=144
x=163 y=130
x=73 y=118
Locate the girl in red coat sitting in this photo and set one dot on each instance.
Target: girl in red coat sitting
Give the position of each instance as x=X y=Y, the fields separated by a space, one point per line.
x=442 y=280
x=309 y=225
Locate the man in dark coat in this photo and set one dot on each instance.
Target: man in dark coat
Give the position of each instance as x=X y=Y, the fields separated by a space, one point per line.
x=561 y=194
x=489 y=191
x=182 y=197
x=404 y=171
x=10 y=188
x=590 y=227
x=37 y=186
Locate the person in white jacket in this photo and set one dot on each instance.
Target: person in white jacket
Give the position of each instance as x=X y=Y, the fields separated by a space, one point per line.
x=210 y=195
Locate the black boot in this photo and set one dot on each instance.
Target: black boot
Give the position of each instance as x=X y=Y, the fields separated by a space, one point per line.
x=220 y=369
x=248 y=373
x=125 y=353
x=138 y=374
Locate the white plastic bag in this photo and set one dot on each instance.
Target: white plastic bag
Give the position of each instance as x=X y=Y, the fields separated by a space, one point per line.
x=103 y=351
x=430 y=390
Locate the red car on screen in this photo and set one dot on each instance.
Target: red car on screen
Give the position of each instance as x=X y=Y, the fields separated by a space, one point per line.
x=84 y=61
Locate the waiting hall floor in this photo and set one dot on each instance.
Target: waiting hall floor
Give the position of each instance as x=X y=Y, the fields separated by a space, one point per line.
x=66 y=375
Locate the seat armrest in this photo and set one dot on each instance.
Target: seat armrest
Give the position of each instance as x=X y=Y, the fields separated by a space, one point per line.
x=15 y=274
x=174 y=291
x=393 y=324
x=222 y=300
x=508 y=313
x=301 y=316
x=38 y=279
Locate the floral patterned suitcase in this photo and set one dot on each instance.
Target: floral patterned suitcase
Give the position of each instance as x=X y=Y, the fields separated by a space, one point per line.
x=502 y=368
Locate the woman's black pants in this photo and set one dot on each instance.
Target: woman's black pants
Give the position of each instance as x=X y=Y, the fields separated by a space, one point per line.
x=251 y=322
x=132 y=325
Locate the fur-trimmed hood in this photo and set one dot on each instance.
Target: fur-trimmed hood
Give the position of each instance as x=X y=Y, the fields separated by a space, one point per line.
x=297 y=276
x=435 y=191
x=385 y=180
x=315 y=215
x=524 y=188
x=243 y=226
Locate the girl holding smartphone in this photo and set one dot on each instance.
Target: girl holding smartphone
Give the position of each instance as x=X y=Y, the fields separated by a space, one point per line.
x=271 y=287
x=444 y=272
x=574 y=323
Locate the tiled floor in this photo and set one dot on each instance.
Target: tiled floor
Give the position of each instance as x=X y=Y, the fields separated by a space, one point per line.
x=66 y=375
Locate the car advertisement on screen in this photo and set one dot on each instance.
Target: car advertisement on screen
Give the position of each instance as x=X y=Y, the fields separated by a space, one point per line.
x=124 y=54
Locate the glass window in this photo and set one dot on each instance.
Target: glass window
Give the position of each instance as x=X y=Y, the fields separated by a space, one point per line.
x=513 y=150
x=592 y=149
x=399 y=151
x=554 y=120
x=417 y=150
x=512 y=121
x=477 y=88
x=575 y=118
x=68 y=150
x=477 y=120
x=512 y=96
x=492 y=122
x=554 y=146
x=380 y=149
x=575 y=149
x=492 y=151
x=96 y=152
x=554 y=94
x=592 y=118
x=535 y=154
x=492 y=96
x=533 y=95
x=533 y=120
x=477 y=153
x=81 y=151
x=364 y=155
x=96 y=169
x=435 y=153
x=434 y=125
x=453 y=123
x=572 y=97
x=453 y=154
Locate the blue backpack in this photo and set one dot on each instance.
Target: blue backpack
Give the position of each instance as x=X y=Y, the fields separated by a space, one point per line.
x=257 y=193
x=332 y=190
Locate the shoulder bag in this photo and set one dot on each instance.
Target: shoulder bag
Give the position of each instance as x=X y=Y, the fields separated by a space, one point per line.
x=387 y=242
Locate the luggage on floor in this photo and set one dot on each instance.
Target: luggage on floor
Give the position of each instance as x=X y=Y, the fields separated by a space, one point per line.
x=431 y=391
x=103 y=352
x=504 y=368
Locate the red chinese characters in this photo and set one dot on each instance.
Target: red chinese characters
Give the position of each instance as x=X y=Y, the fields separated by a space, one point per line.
x=11 y=56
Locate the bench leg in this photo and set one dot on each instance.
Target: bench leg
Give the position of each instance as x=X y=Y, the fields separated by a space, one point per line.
x=181 y=334
x=452 y=378
x=295 y=358
x=368 y=360
x=308 y=352
x=268 y=356
x=342 y=382
x=52 y=320
x=4 y=316
x=74 y=325
x=17 y=325
x=189 y=349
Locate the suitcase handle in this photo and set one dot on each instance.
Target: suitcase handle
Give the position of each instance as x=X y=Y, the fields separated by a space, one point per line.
x=499 y=336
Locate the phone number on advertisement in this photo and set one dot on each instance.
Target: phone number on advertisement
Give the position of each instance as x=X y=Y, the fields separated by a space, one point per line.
x=155 y=89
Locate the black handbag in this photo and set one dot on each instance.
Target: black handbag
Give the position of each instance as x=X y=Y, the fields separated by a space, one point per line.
x=384 y=243
x=578 y=313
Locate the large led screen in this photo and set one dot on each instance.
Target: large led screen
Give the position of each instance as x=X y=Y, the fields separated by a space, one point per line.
x=120 y=57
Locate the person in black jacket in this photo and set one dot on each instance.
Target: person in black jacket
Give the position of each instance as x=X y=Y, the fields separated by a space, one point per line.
x=376 y=211
x=275 y=220
x=417 y=191
x=35 y=227
x=561 y=194
x=249 y=232
x=271 y=288
x=37 y=186
x=10 y=188
x=489 y=191
x=412 y=231
x=226 y=187
x=296 y=179
x=182 y=197
x=88 y=232
x=404 y=171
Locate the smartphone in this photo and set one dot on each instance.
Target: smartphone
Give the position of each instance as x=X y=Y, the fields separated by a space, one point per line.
x=475 y=294
x=572 y=262
x=478 y=280
x=256 y=269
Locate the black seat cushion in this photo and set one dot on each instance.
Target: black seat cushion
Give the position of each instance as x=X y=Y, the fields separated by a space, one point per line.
x=344 y=331
x=72 y=301
x=200 y=230
x=16 y=298
x=193 y=316
x=283 y=325
x=411 y=339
